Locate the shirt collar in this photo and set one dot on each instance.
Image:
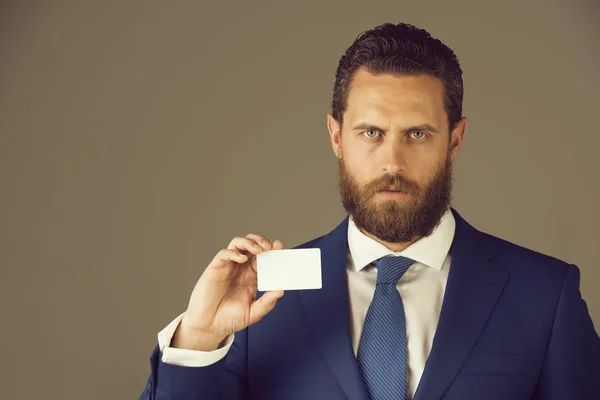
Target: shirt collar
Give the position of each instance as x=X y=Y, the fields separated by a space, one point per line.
x=430 y=250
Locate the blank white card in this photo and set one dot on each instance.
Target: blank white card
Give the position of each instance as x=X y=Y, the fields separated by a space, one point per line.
x=289 y=269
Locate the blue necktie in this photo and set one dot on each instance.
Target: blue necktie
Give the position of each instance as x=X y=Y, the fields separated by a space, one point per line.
x=382 y=349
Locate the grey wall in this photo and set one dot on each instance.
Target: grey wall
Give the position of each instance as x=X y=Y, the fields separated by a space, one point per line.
x=138 y=137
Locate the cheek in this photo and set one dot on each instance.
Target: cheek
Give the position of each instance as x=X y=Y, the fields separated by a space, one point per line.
x=359 y=167
x=428 y=167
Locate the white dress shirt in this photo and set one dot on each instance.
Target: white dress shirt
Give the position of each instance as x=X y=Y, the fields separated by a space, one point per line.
x=422 y=290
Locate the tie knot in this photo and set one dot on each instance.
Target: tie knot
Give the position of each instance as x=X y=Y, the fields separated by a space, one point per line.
x=391 y=268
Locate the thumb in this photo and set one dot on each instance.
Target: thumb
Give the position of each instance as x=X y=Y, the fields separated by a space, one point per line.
x=261 y=307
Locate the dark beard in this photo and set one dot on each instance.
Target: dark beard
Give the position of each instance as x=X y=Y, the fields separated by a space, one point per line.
x=397 y=221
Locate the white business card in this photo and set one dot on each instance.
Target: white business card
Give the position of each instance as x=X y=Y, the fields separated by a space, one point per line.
x=289 y=269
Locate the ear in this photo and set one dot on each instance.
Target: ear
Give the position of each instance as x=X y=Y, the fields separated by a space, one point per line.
x=335 y=135
x=458 y=134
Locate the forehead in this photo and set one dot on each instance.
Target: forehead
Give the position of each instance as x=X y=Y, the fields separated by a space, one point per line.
x=400 y=97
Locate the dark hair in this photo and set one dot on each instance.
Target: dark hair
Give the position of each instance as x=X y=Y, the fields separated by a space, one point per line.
x=401 y=49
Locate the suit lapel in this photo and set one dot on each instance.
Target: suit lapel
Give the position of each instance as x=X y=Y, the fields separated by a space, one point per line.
x=472 y=290
x=327 y=311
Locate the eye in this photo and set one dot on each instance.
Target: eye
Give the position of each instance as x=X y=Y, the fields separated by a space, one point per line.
x=366 y=133
x=423 y=134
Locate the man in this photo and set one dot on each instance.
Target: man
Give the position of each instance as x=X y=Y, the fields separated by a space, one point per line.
x=416 y=303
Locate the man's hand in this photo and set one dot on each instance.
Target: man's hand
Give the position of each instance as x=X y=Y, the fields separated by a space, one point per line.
x=224 y=298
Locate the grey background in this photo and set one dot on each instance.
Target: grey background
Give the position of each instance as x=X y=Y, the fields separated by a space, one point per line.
x=138 y=137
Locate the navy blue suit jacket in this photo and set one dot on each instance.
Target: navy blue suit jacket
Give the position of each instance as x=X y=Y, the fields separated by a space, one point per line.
x=512 y=326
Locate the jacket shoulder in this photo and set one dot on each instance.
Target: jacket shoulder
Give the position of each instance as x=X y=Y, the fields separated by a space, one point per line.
x=520 y=259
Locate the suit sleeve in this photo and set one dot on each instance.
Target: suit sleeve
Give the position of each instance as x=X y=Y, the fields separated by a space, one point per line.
x=571 y=368
x=225 y=379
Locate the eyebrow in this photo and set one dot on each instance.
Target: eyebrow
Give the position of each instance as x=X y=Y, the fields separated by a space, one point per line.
x=421 y=127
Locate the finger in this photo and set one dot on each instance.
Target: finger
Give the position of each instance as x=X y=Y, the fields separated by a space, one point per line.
x=245 y=244
x=261 y=240
x=277 y=245
x=226 y=255
x=264 y=305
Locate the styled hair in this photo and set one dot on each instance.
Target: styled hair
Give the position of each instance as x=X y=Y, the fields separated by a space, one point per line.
x=401 y=49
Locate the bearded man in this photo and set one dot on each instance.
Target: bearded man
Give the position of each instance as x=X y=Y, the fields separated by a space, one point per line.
x=415 y=302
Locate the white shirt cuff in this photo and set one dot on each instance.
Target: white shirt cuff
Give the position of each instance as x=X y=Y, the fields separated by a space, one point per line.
x=188 y=358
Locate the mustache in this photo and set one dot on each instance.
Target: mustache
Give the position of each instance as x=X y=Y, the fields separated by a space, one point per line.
x=389 y=182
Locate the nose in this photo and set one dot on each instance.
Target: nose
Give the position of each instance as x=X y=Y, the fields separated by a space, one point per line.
x=394 y=157
x=392 y=169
